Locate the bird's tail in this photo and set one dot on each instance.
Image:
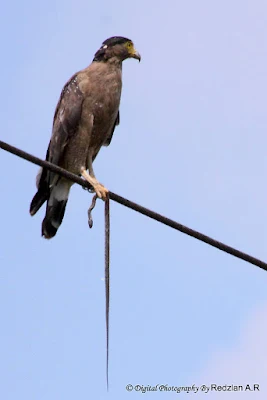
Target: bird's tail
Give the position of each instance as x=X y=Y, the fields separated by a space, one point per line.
x=55 y=208
x=42 y=193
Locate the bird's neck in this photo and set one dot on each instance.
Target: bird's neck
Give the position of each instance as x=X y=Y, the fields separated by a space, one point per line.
x=114 y=61
x=101 y=56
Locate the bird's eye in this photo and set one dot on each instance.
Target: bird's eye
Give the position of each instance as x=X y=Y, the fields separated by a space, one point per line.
x=129 y=45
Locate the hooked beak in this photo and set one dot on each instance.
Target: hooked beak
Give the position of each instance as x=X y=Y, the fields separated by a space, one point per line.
x=136 y=55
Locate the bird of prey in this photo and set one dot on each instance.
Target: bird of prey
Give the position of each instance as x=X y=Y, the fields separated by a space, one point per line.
x=85 y=119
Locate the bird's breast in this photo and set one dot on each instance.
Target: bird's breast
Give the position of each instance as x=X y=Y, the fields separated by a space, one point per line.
x=101 y=86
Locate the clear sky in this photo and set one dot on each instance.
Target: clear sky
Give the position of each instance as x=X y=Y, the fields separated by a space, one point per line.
x=192 y=146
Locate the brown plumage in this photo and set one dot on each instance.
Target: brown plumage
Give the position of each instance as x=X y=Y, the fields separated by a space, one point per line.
x=84 y=121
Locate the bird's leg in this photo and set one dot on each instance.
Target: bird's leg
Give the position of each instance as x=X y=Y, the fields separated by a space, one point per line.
x=100 y=189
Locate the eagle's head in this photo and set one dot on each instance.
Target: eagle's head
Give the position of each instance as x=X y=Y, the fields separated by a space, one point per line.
x=116 y=47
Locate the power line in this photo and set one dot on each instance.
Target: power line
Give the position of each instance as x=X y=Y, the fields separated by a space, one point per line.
x=136 y=207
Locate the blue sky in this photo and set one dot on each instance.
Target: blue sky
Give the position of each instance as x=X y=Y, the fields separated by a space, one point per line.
x=192 y=146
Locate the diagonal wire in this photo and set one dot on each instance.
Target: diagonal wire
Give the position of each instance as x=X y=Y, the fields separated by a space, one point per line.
x=136 y=207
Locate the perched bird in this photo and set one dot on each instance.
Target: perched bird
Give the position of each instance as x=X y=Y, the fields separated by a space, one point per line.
x=85 y=119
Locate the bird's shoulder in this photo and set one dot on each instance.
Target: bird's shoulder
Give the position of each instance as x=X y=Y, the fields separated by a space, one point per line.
x=66 y=118
x=71 y=94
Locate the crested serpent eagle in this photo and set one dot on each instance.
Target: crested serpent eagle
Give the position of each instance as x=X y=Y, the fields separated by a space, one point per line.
x=85 y=119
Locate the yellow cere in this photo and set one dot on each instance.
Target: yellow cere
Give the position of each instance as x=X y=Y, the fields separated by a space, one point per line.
x=130 y=47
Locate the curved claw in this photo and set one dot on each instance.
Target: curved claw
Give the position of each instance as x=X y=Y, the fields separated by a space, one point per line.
x=101 y=191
